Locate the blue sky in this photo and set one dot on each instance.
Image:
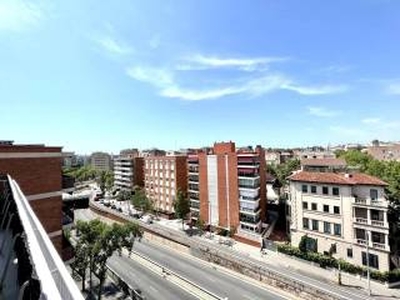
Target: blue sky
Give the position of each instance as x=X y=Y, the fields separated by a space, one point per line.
x=108 y=75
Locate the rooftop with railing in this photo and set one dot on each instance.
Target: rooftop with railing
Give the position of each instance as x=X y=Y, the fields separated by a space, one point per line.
x=30 y=267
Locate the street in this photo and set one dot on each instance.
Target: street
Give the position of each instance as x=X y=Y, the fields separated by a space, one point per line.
x=201 y=273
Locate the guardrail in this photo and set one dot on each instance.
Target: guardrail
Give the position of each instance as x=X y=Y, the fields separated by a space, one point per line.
x=194 y=288
x=252 y=266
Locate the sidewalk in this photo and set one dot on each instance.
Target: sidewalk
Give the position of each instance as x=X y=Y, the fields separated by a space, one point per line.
x=378 y=291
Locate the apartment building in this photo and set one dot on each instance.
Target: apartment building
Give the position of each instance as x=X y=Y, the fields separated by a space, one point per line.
x=128 y=170
x=344 y=213
x=384 y=152
x=163 y=177
x=227 y=188
x=37 y=169
x=101 y=161
x=323 y=164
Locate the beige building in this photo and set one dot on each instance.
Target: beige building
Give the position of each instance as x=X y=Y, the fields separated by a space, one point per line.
x=163 y=177
x=128 y=170
x=101 y=161
x=344 y=213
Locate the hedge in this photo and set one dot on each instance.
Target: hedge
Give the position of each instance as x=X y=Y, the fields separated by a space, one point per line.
x=327 y=261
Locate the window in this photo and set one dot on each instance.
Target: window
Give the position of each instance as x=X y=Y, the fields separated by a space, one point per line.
x=327 y=227
x=333 y=249
x=304 y=188
x=336 y=210
x=314 y=206
x=326 y=208
x=335 y=191
x=313 y=189
x=337 y=229
x=305 y=223
x=325 y=190
x=373 y=260
x=373 y=194
x=349 y=252
x=305 y=205
x=315 y=225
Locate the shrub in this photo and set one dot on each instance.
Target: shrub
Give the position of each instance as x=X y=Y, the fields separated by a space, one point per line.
x=327 y=261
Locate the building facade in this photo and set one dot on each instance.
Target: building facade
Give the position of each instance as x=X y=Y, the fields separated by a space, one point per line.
x=101 y=161
x=37 y=169
x=163 y=177
x=227 y=188
x=385 y=152
x=345 y=214
x=128 y=170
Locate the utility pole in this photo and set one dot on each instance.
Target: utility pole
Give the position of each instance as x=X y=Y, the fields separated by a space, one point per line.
x=368 y=272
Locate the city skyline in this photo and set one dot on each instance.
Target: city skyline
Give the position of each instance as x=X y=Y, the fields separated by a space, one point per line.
x=169 y=74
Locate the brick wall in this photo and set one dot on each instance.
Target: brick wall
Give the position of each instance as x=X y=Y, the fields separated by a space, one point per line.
x=49 y=212
x=34 y=175
x=203 y=187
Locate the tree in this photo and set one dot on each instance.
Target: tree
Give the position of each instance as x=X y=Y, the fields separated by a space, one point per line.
x=141 y=201
x=181 y=206
x=100 y=241
x=81 y=262
x=308 y=244
x=282 y=171
x=124 y=195
x=105 y=179
x=200 y=224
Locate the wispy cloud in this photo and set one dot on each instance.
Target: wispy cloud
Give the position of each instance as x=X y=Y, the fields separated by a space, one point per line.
x=19 y=15
x=322 y=112
x=167 y=85
x=155 y=42
x=394 y=88
x=371 y=120
x=157 y=77
x=201 y=62
x=316 y=90
x=112 y=46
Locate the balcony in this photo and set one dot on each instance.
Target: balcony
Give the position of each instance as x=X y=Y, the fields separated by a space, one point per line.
x=377 y=240
x=357 y=201
x=193 y=187
x=193 y=178
x=250 y=211
x=370 y=217
x=27 y=254
x=194 y=204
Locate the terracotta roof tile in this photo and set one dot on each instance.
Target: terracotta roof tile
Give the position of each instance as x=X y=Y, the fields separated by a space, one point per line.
x=336 y=178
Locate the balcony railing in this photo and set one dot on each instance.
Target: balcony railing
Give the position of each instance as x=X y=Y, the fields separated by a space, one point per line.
x=38 y=263
x=365 y=221
x=376 y=245
x=369 y=202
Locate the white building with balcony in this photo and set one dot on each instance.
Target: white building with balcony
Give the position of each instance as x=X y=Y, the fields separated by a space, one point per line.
x=345 y=213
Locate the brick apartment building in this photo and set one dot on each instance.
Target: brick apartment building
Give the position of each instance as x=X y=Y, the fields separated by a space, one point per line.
x=163 y=177
x=227 y=188
x=128 y=170
x=37 y=169
x=343 y=213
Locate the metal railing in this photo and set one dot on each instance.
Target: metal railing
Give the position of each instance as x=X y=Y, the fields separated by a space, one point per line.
x=54 y=281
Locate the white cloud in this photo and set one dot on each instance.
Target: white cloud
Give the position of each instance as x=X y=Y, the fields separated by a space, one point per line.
x=165 y=82
x=394 y=88
x=112 y=46
x=157 y=77
x=322 y=112
x=19 y=15
x=197 y=95
x=316 y=90
x=201 y=62
x=371 y=120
